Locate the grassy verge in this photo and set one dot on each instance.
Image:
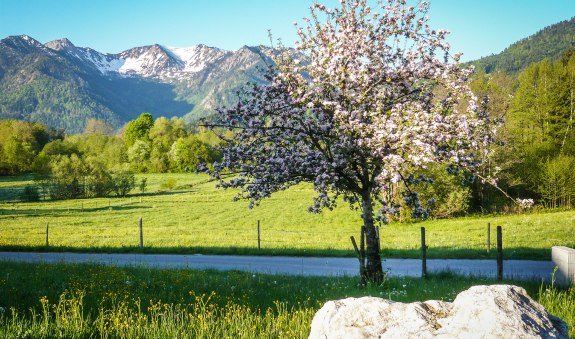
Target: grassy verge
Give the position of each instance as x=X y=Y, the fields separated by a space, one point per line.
x=197 y=218
x=47 y=300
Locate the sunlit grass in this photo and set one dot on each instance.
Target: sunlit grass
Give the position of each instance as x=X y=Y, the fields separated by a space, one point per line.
x=197 y=218
x=56 y=300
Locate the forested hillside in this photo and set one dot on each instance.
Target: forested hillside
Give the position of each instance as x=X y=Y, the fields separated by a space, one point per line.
x=549 y=43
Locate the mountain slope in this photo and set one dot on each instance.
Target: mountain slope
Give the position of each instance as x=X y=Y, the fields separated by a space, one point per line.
x=64 y=85
x=550 y=42
x=37 y=84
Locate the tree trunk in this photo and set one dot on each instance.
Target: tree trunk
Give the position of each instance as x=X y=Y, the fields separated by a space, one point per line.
x=373 y=269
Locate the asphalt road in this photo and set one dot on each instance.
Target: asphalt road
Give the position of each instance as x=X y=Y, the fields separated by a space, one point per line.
x=306 y=266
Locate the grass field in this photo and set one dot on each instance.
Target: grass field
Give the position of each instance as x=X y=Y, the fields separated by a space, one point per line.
x=47 y=300
x=197 y=218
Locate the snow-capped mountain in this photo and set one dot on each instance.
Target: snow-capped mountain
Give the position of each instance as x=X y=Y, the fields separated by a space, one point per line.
x=63 y=85
x=155 y=61
x=105 y=63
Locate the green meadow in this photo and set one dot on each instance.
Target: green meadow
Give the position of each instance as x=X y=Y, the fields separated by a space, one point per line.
x=194 y=217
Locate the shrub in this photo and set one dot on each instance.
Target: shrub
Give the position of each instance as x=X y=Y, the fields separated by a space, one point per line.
x=169 y=183
x=143 y=185
x=123 y=182
x=30 y=193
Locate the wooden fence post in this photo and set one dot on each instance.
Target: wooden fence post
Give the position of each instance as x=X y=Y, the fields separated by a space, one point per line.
x=362 y=243
x=47 y=243
x=141 y=234
x=259 y=237
x=362 y=280
x=423 y=254
x=499 y=254
x=378 y=239
x=488 y=237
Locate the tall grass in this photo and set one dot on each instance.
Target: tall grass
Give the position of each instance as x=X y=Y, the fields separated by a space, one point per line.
x=201 y=319
x=90 y=301
x=560 y=303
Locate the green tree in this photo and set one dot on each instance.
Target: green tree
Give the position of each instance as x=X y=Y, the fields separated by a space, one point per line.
x=98 y=179
x=556 y=181
x=139 y=129
x=187 y=153
x=143 y=184
x=539 y=125
x=138 y=156
x=123 y=182
x=498 y=90
x=20 y=142
x=60 y=147
x=163 y=134
x=95 y=126
x=67 y=177
x=115 y=152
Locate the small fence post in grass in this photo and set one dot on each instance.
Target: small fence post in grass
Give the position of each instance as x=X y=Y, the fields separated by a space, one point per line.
x=82 y=207
x=140 y=199
x=47 y=243
x=259 y=237
x=141 y=234
x=499 y=254
x=423 y=254
x=362 y=280
x=488 y=237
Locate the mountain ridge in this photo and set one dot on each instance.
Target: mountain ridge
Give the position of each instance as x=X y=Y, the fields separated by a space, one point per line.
x=169 y=81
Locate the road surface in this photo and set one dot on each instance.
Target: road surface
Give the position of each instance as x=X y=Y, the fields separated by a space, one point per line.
x=306 y=266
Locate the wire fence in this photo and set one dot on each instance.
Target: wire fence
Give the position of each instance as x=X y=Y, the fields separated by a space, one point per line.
x=254 y=236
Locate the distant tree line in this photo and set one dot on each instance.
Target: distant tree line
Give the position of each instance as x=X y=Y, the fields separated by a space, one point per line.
x=550 y=42
x=98 y=163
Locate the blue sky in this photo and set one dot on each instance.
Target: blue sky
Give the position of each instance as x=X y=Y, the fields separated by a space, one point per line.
x=479 y=27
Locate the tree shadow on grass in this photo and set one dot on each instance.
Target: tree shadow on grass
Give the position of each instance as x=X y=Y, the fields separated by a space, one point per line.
x=12 y=195
x=167 y=192
x=31 y=212
x=509 y=253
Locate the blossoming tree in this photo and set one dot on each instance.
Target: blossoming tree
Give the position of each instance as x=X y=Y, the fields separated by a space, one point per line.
x=374 y=97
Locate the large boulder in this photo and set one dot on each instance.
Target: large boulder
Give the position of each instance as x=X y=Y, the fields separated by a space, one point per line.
x=497 y=311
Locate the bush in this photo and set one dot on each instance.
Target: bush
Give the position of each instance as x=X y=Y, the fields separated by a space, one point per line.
x=30 y=193
x=169 y=184
x=123 y=182
x=143 y=185
x=447 y=196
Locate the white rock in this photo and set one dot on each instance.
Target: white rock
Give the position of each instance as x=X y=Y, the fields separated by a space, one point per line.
x=497 y=311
